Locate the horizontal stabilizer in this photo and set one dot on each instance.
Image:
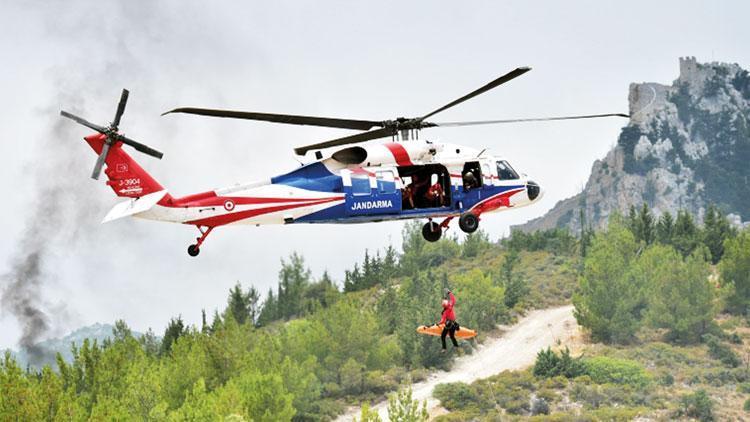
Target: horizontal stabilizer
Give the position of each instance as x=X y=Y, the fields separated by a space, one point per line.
x=134 y=206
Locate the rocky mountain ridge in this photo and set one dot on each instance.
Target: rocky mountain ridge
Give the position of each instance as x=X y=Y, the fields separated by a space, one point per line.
x=687 y=145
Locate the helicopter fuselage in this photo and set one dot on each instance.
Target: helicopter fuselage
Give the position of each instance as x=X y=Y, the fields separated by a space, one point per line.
x=379 y=182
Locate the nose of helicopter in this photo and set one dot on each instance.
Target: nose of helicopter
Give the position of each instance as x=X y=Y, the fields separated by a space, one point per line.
x=533 y=190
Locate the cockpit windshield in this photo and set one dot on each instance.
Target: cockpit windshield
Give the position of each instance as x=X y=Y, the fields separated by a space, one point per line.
x=505 y=171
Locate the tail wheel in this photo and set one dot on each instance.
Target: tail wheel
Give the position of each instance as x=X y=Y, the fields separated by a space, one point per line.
x=193 y=250
x=432 y=231
x=468 y=222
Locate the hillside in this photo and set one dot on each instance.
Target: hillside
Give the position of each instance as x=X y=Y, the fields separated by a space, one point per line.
x=686 y=146
x=309 y=350
x=47 y=349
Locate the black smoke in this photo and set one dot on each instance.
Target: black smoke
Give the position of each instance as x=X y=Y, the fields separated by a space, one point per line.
x=57 y=217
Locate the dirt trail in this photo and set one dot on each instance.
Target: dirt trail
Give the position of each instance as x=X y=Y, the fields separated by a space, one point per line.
x=515 y=349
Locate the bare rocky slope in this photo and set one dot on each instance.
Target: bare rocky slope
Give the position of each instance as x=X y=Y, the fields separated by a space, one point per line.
x=687 y=145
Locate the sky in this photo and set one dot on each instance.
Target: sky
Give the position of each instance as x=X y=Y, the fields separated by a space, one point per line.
x=346 y=59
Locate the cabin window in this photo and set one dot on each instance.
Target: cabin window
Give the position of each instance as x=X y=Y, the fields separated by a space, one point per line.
x=487 y=174
x=471 y=175
x=360 y=186
x=505 y=171
x=386 y=182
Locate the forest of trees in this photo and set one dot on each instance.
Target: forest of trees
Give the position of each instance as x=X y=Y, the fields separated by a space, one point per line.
x=309 y=348
x=300 y=354
x=643 y=271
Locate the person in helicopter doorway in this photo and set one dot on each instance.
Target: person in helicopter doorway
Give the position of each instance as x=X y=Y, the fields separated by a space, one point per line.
x=449 y=319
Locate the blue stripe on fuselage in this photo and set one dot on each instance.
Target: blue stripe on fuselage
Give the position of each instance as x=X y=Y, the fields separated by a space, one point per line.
x=338 y=213
x=314 y=177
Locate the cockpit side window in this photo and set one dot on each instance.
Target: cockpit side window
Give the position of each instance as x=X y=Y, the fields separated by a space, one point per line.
x=505 y=171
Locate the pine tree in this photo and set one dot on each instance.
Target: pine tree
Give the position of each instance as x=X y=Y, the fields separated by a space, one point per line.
x=252 y=298
x=216 y=322
x=149 y=343
x=237 y=306
x=646 y=230
x=269 y=311
x=587 y=233
x=175 y=329
x=243 y=306
x=475 y=243
x=686 y=236
x=665 y=228
x=681 y=299
x=390 y=263
x=401 y=407
x=515 y=284
x=293 y=280
x=632 y=220
x=716 y=230
x=608 y=301
x=204 y=323
x=735 y=272
x=121 y=331
x=352 y=279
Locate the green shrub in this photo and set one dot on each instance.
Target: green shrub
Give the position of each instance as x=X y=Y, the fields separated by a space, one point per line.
x=744 y=388
x=746 y=406
x=719 y=377
x=548 y=395
x=612 y=414
x=456 y=395
x=666 y=379
x=697 y=405
x=555 y=382
x=539 y=407
x=548 y=364
x=590 y=396
x=377 y=382
x=603 y=369
x=721 y=351
x=517 y=407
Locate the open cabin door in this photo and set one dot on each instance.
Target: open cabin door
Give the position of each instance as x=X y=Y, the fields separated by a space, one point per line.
x=371 y=193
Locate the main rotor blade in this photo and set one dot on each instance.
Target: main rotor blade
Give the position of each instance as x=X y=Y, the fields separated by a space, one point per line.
x=281 y=118
x=353 y=139
x=533 y=119
x=120 y=108
x=82 y=121
x=100 y=161
x=139 y=146
x=499 y=81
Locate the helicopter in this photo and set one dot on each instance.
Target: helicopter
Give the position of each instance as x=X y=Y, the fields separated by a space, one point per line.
x=346 y=180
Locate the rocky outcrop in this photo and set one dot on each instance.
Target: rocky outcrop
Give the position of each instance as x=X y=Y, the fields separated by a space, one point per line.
x=686 y=145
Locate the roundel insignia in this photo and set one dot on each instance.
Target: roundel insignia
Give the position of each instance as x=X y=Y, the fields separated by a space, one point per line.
x=229 y=205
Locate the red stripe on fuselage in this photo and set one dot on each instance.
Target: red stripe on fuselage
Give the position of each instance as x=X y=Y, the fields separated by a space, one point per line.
x=232 y=217
x=495 y=202
x=209 y=200
x=399 y=153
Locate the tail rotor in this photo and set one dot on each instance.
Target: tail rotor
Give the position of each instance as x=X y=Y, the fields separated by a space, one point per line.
x=112 y=135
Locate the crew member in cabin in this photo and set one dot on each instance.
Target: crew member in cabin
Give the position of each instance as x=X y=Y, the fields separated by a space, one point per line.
x=418 y=187
x=470 y=180
x=407 y=197
x=435 y=196
x=449 y=319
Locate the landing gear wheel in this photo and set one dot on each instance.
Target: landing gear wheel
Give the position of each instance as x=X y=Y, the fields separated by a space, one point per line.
x=193 y=250
x=468 y=222
x=432 y=231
